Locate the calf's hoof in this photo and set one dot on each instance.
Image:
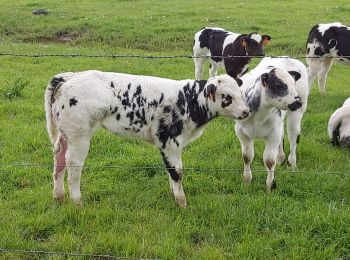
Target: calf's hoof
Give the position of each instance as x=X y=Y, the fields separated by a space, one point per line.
x=181 y=201
x=272 y=186
x=247 y=179
x=77 y=202
x=59 y=197
x=281 y=159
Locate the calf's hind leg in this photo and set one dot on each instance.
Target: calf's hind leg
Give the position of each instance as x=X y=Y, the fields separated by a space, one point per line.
x=60 y=150
x=293 y=126
x=198 y=64
x=322 y=75
x=77 y=150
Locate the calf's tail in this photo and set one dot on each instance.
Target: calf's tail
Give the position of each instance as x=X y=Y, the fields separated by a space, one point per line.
x=50 y=93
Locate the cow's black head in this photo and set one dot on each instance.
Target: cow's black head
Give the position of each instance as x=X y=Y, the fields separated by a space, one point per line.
x=254 y=43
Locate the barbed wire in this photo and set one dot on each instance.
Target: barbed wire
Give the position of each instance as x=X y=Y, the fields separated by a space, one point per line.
x=159 y=56
x=66 y=254
x=159 y=167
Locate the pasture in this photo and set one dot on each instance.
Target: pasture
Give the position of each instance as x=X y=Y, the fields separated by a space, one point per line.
x=128 y=209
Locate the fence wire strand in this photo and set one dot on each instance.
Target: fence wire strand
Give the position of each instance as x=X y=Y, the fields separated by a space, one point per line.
x=159 y=167
x=183 y=56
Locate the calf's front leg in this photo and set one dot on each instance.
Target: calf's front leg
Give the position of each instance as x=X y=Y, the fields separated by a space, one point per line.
x=173 y=164
x=247 y=145
x=270 y=156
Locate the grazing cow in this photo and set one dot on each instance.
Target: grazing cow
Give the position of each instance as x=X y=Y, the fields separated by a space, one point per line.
x=219 y=42
x=268 y=89
x=168 y=113
x=339 y=125
x=326 y=41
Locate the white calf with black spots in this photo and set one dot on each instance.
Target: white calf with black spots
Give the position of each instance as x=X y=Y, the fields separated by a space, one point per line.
x=219 y=42
x=293 y=117
x=168 y=113
x=327 y=42
x=339 y=126
x=269 y=90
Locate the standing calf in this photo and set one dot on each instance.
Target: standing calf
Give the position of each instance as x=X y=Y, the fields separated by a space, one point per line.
x=326 y=41
x=218 y=42
x=168 y=113
x=339 y=125
x=268 y=89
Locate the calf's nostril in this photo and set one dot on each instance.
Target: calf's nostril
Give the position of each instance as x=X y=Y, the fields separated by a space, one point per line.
x=245 y=114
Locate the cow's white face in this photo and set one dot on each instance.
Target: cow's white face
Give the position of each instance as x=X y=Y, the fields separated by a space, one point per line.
x=225 y=97
x=279 y=89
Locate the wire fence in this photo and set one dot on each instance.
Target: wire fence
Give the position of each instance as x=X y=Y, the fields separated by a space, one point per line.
x=184 y=56
x=41 y=55
x=160 y=167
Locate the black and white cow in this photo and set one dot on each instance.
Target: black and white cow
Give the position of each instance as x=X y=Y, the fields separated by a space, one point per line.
x=339 y=125
x=326 y=41
x=219 y=42
x=168 y=113
x=269 y=91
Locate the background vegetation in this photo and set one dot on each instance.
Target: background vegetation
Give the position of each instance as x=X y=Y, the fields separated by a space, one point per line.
x=128 y=210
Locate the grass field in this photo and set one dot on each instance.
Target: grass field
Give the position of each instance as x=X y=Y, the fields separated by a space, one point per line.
x=128 y=210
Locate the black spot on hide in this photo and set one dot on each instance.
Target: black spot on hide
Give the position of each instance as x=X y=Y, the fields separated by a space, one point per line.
x=276 y=87
x=336 y=135
x=73 y=102
x=55 y=85
x=318 y=51
x=273 y=185
x=171 y=169
x=226 y=100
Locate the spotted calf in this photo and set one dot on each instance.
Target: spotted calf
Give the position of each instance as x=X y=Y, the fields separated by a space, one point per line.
x=269 y=91
x=327 y=42
x=219 y=42
x=339 y=126
x=168 y=113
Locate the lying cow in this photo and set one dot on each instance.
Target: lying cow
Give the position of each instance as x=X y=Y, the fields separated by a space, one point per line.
x=168 y=113
x=339 y=125
x=326 y=41
x=268 y=89
x=219 y=42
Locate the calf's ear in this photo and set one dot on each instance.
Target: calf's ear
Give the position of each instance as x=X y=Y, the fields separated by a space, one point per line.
x=244 y=41
x=210 y=91
x=265 y=39
x=239 y=81
x=264 y=77
x=296 y=75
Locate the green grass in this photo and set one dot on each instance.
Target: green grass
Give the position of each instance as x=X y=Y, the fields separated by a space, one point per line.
x=130 y=211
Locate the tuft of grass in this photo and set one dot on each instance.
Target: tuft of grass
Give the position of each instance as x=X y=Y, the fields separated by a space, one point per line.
x=15 y=88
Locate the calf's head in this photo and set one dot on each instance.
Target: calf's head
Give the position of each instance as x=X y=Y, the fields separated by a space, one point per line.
x=224 y=97
x=254 y=42
x=279 y=89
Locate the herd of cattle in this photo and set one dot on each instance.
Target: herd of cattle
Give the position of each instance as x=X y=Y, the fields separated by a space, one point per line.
x=170 y=114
